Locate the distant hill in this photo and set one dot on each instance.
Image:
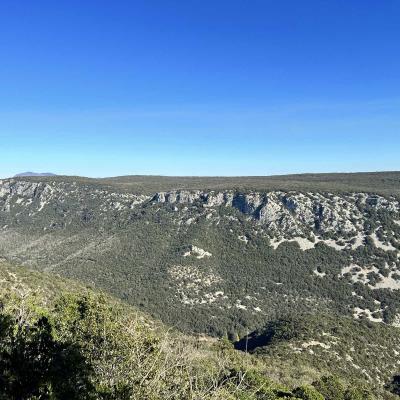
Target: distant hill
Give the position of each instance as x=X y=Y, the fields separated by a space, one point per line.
x=34 y=174
x=383 y=183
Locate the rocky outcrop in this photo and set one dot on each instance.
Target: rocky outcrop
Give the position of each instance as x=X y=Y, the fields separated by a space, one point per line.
x=291 y=212
x=178 y=197
x=281 y=214
x=24 y=189
x=35 y=197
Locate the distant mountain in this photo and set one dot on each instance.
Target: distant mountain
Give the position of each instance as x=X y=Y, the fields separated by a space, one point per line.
x=34 y=174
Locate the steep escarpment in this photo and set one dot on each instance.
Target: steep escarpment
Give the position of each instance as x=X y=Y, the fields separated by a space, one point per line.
x=281 y=214
x=293 y=213
x=20 y=196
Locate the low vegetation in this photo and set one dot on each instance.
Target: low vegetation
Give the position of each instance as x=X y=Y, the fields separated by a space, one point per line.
x=79 y=344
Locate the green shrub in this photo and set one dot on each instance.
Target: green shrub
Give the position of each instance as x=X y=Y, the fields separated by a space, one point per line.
x=308 y=393
x=330 y=387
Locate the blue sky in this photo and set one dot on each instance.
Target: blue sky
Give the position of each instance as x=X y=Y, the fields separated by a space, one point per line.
x=102 y=88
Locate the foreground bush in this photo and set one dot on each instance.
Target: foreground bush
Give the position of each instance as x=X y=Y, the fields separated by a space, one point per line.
x=89 y=347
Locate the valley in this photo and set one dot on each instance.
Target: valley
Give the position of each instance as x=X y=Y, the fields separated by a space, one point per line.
x=230 y=259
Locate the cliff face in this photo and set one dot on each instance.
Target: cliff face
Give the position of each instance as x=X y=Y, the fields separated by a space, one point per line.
x=37 y=195
x=290 y=210
x=280 y=214
x=45 y=203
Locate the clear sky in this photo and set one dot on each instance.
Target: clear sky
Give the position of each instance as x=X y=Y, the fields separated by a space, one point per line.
x=199 y=87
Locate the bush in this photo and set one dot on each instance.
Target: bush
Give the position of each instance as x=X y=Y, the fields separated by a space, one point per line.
x=330 y=387
x=308 y=393
x=33 y=364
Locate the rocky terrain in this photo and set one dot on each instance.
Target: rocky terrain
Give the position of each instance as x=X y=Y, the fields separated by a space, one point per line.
x=280 y=215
